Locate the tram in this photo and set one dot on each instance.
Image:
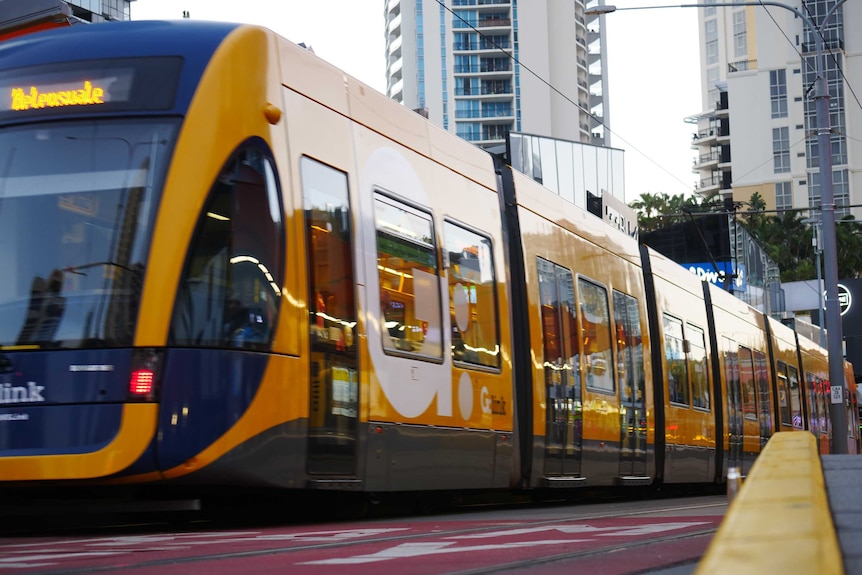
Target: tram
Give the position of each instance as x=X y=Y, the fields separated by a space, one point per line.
x=228 y=263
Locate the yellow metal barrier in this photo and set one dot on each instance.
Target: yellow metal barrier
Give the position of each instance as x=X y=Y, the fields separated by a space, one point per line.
x=780 y=521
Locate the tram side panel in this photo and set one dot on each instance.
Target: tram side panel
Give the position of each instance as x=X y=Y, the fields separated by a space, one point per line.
x=435 y=402
x=682 y=336
x=587 y=329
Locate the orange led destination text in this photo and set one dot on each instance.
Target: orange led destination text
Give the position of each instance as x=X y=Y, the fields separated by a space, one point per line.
x=35 y=99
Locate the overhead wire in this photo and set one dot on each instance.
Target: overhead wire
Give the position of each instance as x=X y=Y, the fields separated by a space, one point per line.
x=597 y=119
x=806 y=62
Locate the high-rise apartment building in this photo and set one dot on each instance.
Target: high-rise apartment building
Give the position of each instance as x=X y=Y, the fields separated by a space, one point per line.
x=758 y=129
x=100 y=10
x=484 y=68
x=19 y=17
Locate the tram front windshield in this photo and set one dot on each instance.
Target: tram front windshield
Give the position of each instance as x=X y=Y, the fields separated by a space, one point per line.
x=77 y=206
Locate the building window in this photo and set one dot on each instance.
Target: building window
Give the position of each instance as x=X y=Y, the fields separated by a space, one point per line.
x=840 y=191
x=781 y=149
x=712 y=76
x=778 y=93
x=711 y=39
x=783 y=196
x=740 y=47
x=709 y=10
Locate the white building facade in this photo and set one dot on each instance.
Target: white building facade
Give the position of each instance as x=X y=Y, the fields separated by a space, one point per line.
x=758 y=129
x=484 y=68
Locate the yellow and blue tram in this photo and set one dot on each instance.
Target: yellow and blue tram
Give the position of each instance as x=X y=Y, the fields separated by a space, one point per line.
x=228 y=263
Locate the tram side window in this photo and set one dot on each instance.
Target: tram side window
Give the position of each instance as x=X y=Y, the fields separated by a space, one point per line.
x=761 y=374
x=230 y=289
x=795 y=397
x=596 y=336
x=409 y=279
x=697 y=366
x=472 y=297
x=746 y=381
x=731 y=373
x=823 y=411
x=677 y=368
x=783 y=394
x=630 y=363
x=813 y=419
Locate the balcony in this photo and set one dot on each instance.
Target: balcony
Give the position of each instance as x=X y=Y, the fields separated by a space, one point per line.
x=495 y=23
x=709 y=184
x=459 y=3
x=741 y=66
x=704 y=161
x=704 y=137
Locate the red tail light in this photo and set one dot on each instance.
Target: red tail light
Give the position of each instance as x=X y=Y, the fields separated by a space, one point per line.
x=145 y=374
x=141 y=382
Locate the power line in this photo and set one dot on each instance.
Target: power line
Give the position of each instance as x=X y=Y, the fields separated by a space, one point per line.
x=565 y=97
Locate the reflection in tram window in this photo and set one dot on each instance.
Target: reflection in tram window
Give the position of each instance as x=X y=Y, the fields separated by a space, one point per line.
x=783 y=390
x=698 y=366
x=677 y=367
x=230 y=290
x=795 y=398
x=409 y=279
x=472 y=297
x=334 y=382
x=78 y=205
x=596 y=336
x=746 y=382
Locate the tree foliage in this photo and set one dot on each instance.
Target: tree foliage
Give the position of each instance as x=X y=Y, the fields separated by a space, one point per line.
x=786 y=237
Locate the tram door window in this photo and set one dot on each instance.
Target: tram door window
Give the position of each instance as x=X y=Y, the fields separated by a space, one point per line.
x=334 y=392
x=782 y=389
x=746 y=383
x=472 y=297
x=761 y=375
x=630 y=374
x=813 y=417
x=734 y=402
x=409 y=279
x=561 y=347
x=796 y=413
x=230 y=289
x=822 y=408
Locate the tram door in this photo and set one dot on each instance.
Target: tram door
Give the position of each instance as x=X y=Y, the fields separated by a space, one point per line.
x=734 y=404
x=564 y=412
x=630 y=374
x=334 y=384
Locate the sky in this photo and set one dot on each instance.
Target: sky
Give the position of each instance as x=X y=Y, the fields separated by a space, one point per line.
x=653 y=68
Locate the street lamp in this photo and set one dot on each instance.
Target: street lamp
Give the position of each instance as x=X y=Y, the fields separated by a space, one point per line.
x=827 y=204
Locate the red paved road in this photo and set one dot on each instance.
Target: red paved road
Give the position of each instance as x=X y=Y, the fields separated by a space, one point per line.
x=379 y=548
